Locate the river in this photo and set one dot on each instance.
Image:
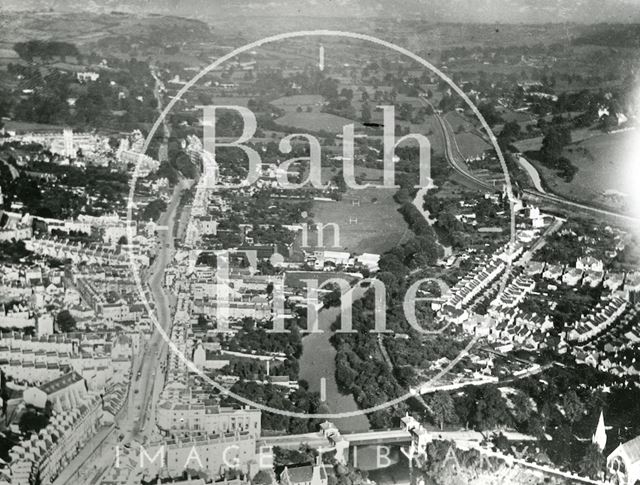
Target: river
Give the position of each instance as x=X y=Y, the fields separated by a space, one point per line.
x=318 y=361
x=385 y=465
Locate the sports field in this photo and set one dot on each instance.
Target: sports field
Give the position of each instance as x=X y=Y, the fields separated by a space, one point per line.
x=368 y=219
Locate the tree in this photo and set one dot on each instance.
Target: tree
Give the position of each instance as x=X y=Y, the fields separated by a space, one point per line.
x=406 y=375
x=65 y=321
x=593 y=462
x=510 y=131
x=490 y=408
x=391 y=263
x=263 y=477
x=442 y=407
x=521 y=407
x=573 y=406
x=365 y=113
x=535 y=426
x=489 y=113
x=555 y=140
x=154 y=209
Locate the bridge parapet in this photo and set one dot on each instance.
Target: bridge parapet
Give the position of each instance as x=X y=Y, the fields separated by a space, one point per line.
x=336 y=440
x=420 y=437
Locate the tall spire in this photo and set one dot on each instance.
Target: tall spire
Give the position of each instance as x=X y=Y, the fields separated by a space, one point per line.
x=600 y=436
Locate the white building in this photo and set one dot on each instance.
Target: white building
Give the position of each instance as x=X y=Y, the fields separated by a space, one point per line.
x=623 y=464
x=87 y=76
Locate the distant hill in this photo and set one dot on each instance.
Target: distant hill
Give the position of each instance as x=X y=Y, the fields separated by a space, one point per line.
x=48 y=34
x=505 y=11
x=621 y=35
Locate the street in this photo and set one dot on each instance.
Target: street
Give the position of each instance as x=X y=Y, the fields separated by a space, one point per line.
x=136 y=419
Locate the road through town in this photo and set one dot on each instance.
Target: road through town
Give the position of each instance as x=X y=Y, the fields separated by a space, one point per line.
x=136 y=420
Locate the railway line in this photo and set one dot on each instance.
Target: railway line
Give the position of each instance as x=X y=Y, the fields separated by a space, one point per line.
x=530 y=194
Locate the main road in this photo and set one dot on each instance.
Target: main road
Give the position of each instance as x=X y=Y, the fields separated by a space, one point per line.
x=144 y=387
x=135 y=421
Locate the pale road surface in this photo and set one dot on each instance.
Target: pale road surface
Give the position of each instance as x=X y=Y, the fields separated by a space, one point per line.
x=157 y=348
x=532 y=172
x=12 y=170
x=136 y=420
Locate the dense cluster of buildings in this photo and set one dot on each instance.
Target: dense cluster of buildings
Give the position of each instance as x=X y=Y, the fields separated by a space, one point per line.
x=66 y=144
x=487 y=305
x=76 y=413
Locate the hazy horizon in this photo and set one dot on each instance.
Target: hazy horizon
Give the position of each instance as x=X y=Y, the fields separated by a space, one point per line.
x=457 y=11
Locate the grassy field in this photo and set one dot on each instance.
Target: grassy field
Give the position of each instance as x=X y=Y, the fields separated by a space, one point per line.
x=469 y=141
x=291 y=103
x=314 y=121
x=534 y=144
x=471 y=145
x=368 y=219
x=606 y=163
x=458 y=120
x=231 y=100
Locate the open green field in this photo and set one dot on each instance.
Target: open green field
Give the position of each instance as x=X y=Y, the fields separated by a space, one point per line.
x=471 y=145
x=368 y=219
x=535 y=143
x=459 y=120
x=608 y=170
x=517 y=116
x=429 y=128
x=291 y=103
x=231 y=100
x=469 y=141
x=314 y=121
